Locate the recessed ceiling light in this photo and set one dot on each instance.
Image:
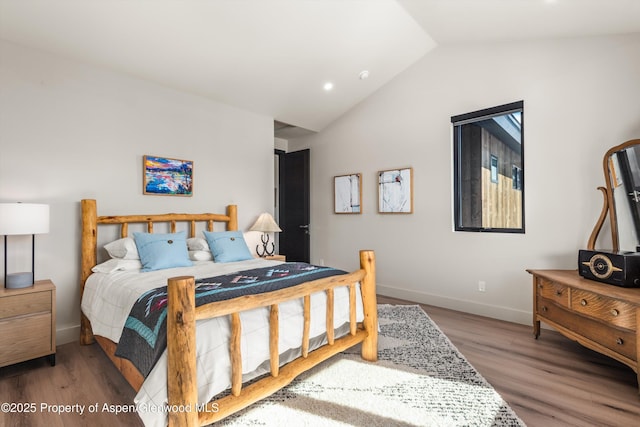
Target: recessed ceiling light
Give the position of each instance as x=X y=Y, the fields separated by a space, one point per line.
x=328 y=86
x=364 y=74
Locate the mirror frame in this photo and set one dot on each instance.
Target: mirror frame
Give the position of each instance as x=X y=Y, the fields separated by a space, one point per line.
x=609 y=206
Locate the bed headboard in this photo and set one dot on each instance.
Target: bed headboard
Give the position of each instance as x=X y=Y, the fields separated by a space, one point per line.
x=91 y=220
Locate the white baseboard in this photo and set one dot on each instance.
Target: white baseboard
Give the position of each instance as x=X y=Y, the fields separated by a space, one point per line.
x=67 y=334
x=473 y=307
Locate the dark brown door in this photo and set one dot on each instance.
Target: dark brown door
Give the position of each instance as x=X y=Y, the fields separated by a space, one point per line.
x=294 y=213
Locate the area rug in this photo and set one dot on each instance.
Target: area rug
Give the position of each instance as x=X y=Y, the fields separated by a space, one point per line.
x=421 y=379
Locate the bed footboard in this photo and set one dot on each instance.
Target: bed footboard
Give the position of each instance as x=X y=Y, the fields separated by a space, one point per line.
x=181 y=331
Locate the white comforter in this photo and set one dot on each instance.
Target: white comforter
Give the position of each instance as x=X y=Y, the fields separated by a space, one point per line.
x=108 y=298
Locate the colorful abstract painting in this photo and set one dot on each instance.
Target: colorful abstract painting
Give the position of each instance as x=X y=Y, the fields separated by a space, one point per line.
x=166 y=176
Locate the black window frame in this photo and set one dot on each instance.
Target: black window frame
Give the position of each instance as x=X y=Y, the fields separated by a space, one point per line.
x=480 y=115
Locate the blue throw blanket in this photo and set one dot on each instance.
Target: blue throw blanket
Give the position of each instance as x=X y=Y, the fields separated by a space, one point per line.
x=144 y=337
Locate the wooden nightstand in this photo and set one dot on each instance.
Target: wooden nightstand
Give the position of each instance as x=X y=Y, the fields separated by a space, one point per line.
x=27 y=323
x=276 y=258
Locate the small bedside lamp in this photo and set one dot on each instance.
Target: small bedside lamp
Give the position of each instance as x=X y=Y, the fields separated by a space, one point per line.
x=21 y=219
x=266 y=224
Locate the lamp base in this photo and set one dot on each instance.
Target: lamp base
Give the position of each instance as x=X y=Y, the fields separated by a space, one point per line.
x=265 y=250
x=19 y=280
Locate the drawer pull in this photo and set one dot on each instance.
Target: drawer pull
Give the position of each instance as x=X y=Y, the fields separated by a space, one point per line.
x=619 y=341
x=614 y=312
x=583 y=302
x=544 y=309
x=558 y=293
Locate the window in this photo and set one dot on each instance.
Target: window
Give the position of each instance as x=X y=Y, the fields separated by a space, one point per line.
x=516 y=177
x=494 y=169
x=489 y=169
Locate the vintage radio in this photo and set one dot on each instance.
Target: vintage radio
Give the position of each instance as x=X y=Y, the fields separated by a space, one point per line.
x=619 y=268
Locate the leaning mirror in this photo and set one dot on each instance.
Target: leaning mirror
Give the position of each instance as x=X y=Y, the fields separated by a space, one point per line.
x=489 y=169
x=621 y=166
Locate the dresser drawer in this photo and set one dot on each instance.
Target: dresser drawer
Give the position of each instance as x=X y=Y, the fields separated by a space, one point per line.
x=608 y=310
x=25 y=338
x=21 y=304
x=618 y=340
x=553 y=291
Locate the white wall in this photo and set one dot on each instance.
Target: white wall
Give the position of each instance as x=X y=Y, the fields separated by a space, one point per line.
x=581 y=96
x=70 y=131
x=280 y=144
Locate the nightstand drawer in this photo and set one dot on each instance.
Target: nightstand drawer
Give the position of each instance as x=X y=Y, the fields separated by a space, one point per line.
x=25 y=338
x=17 y=305
x=27 y=323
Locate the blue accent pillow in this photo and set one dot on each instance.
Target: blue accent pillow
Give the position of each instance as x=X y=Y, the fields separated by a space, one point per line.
x=227 y=246
x=158 y=251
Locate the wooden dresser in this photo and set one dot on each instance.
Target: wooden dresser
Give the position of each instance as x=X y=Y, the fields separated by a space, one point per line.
x=27 y=323
x=602 y=317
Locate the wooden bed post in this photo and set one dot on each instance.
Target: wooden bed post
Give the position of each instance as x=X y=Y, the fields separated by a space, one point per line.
x=182 y=387
x=89 y=241
x=232 y=212
x=370 y=305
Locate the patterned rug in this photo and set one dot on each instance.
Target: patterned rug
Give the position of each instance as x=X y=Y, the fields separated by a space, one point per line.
x=421 y=379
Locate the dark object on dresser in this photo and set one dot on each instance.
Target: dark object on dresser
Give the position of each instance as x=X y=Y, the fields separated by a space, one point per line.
x=617 y=268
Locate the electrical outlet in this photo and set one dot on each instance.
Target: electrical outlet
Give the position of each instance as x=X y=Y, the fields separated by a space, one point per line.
x=322 y=261
x=482 y=286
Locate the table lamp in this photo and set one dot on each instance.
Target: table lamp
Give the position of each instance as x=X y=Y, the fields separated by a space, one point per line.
x=22 y=219
x=266 y=224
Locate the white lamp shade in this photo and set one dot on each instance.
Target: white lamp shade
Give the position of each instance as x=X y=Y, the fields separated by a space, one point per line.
x=23 y=218
x=266 y=224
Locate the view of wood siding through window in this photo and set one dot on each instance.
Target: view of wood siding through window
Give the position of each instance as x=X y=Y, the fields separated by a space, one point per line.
x=501 y=202
x=489 y=169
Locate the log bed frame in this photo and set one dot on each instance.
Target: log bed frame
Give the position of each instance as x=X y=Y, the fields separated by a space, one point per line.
x=182 y=316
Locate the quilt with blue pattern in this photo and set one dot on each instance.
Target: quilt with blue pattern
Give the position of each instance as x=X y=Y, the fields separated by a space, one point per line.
x=144 y=337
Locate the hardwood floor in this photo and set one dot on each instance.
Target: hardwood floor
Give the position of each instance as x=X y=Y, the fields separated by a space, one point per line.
x=83 y=375
x=549 y=382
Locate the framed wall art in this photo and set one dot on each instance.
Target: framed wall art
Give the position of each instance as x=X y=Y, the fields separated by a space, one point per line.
x=347 y=194
x=165 y=176
x=395 y=191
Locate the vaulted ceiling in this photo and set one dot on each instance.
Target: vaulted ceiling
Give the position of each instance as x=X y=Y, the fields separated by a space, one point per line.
x=274 y=57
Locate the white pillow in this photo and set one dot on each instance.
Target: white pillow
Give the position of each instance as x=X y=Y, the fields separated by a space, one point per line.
x=200 y=256
x=197 y=244
x=124 y=248
x=117 y=264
